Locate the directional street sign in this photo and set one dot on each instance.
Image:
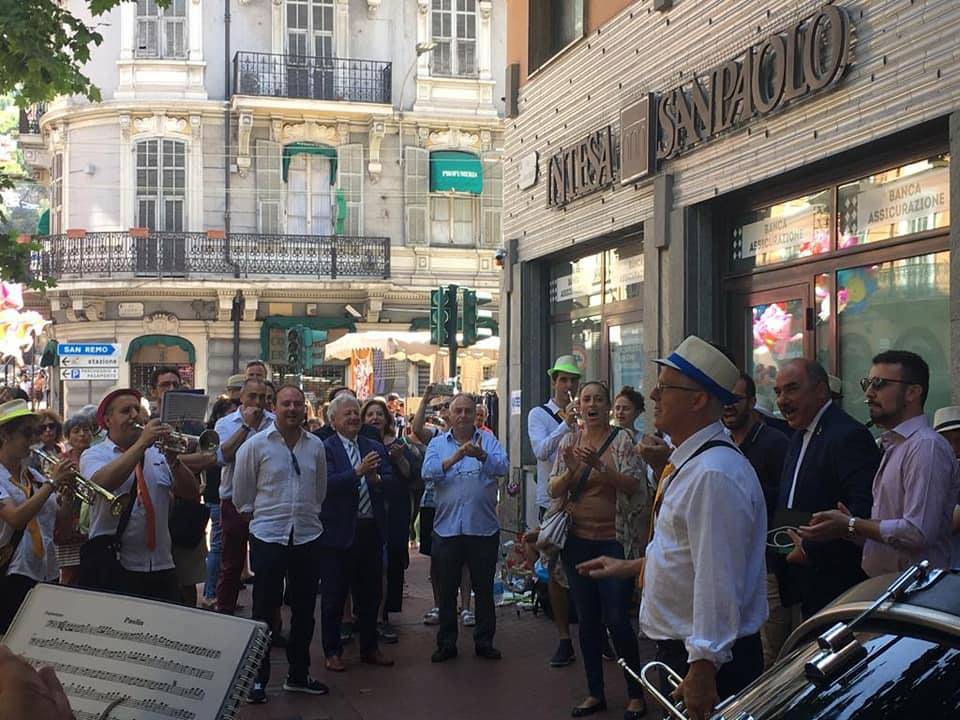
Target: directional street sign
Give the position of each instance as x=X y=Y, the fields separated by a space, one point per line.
x=89 y=373
x=89 y=355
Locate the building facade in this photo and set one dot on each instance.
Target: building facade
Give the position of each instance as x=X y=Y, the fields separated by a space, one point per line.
x=775 y=176
x=263 y=163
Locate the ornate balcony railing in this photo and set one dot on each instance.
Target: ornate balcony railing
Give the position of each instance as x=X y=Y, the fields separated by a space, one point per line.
x=187 y=255
x=30 y=118
x=312 y=78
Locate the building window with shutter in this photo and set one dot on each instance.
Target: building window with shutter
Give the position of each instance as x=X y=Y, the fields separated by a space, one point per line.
x=453 y=27
x=162 y=32
x=161 y=184
x=453 y=219
x=56 y=195
x=423 y=377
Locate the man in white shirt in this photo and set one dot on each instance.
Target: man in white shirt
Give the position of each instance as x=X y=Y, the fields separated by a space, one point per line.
x=279 y=483
x=234 y=430
x=547 y=425
x=704 y=597
x=128 y=459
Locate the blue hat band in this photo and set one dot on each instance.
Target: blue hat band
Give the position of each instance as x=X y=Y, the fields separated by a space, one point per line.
x=709 y=384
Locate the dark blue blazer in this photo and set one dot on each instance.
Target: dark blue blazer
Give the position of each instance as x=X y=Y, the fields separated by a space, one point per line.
x=339 y=510
x=839 y=465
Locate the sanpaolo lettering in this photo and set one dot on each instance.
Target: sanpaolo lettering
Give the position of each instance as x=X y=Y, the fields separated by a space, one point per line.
x=787 y=66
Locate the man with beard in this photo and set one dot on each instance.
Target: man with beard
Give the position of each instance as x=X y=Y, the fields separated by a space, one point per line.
x=831 y=459
x=765 y=448
x=915 y=489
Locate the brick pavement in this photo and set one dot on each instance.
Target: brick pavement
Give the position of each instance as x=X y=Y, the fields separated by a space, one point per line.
x=522 y=685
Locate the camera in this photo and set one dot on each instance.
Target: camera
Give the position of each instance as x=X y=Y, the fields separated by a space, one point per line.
x=500 y=257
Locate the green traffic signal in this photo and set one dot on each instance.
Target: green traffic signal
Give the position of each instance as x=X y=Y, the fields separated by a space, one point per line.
x=438 y=316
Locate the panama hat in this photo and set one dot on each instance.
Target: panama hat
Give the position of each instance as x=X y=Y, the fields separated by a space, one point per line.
x=945 y=419
x=703 y=363
x=15 y=409
x=836 y=386
x=565 y=364
x=236 y=381
x=109 y=398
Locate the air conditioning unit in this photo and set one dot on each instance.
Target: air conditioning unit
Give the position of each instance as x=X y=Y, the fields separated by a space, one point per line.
x=311 y=309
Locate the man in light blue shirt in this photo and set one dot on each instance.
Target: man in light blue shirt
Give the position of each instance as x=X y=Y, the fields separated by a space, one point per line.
x=464 y=464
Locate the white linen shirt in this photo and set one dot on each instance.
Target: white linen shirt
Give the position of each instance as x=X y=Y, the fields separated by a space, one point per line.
x=226 y=428
x=134 y=554
x=24 y=561
x=545 y=436
x=705 y=575
x=282 y=500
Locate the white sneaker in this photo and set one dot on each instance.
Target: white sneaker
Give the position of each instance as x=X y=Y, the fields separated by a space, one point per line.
x=468 y=618
x=432 y=616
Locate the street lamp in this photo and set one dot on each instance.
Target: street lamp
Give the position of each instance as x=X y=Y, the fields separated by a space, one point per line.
x=421 y=49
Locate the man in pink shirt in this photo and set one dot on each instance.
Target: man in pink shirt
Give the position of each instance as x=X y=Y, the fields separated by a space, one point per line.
x=915 y=488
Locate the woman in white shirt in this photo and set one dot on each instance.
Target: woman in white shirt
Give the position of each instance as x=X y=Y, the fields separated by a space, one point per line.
x=28 y=510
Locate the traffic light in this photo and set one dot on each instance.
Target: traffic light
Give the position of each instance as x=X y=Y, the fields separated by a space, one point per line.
x=314 y=344
x=468 y=318
x=438 y=316
x=295 y=345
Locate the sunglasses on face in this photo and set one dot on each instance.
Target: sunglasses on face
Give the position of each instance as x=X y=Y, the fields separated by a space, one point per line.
x=48 y=426
x=878 y=383
x=441 y=406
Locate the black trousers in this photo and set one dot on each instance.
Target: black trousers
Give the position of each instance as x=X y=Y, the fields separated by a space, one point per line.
x=360 y=568
x=745 y=667
x=398 y=560
x=449 y=555
x=157 y=585
x=13 y=591
x=299 y=564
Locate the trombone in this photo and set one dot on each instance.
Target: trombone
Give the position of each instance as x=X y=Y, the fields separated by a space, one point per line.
x=179 y=443
x=84 y=489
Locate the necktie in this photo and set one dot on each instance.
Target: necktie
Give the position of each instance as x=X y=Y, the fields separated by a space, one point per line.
x=658 y=498
x=33 y=527
x=143 y=494
x=363 y=509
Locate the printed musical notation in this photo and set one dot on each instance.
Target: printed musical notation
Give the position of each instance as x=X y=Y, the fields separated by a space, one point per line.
x=155 y=706
x=123 y=656
x=135 y=637
x=171 y=688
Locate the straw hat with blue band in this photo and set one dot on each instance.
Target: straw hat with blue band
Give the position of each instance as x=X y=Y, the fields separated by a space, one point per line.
x=947 y=419
x=15 y=409
x=565 y=364
x=706 y=365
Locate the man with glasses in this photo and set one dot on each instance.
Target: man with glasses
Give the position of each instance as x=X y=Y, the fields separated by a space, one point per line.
x=279 y=483
x=831 y=459
x=439 y=409
x=915 y=489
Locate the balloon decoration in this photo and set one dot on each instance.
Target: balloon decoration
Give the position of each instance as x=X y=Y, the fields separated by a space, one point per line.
x=18 y=327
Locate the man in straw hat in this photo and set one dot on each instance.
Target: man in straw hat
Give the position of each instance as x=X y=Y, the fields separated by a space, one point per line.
x=914 y=490
x=547 y=424
x=704 y=597
x=946 y=421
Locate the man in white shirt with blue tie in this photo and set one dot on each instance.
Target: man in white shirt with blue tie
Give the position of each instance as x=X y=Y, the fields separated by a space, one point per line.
x=280 y=482
x=704 y=592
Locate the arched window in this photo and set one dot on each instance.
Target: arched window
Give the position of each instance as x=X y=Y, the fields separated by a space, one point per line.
x=161 y=182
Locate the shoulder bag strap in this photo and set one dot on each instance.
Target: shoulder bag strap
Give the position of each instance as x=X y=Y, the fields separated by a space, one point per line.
x=553 y=414
x=586 y=473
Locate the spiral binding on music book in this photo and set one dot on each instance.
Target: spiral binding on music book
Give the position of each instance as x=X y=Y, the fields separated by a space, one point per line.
x=259 y=647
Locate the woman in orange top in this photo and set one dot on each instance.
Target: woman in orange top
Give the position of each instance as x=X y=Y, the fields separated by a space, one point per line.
x=592 y=466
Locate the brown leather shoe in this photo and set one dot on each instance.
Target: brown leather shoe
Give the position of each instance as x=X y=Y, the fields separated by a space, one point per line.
x=335 y=664
x=376 y=658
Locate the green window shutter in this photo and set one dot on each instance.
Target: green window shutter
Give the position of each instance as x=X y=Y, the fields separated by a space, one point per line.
x=350 y=189
x=416 y=191
x=269 y=187
x=491 y=201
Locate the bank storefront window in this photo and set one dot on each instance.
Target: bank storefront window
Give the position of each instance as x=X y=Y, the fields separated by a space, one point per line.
x=903 y=305
x=790 y=230
x=902 y=201
x=777 y=336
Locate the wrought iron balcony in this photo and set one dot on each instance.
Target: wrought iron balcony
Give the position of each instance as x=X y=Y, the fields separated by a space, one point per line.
x=312 y=78
x=30 y=118
x=191 y=255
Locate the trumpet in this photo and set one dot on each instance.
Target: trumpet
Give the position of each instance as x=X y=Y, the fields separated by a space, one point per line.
x=82 y=488
x=179 y=443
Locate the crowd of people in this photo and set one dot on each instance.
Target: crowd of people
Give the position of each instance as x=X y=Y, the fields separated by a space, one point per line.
x=722 y=529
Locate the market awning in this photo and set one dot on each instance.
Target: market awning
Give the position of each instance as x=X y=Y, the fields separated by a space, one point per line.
x=306 y=148
x=164 y=340
x=455 y=171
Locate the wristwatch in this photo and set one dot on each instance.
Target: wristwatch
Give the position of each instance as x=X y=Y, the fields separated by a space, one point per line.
x=851 y=527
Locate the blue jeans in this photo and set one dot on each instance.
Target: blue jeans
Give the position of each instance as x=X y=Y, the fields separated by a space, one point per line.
x=213 y=555
x=597 y=600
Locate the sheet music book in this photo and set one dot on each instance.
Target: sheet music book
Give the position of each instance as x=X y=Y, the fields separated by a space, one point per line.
x=181 y=407
x=166 y=662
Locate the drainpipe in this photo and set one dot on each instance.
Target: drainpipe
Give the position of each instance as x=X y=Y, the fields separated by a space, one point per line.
x=236 y=314
x=226 y=137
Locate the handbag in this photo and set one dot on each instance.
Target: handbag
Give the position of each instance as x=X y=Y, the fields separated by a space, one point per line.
x=187 y=522
x=100 y=567
x=556 y=526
